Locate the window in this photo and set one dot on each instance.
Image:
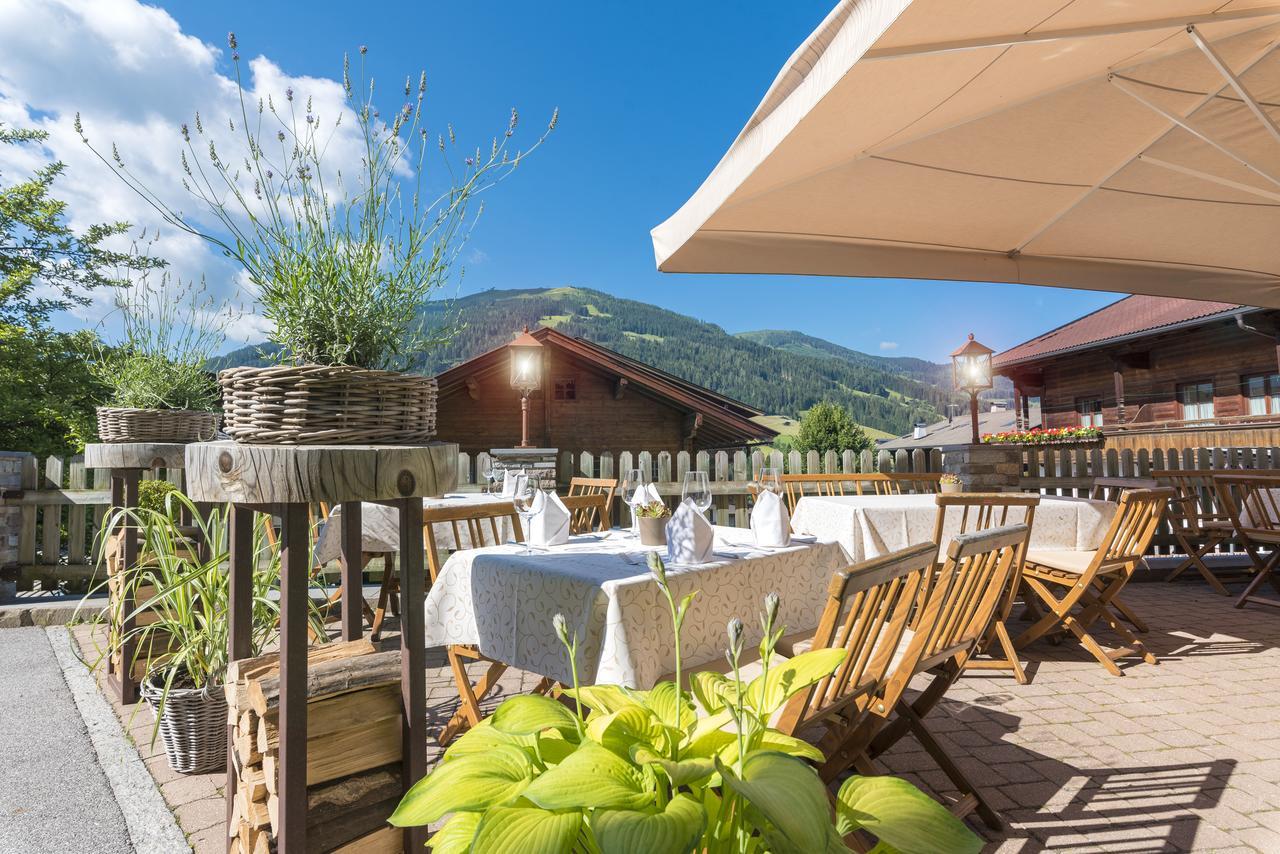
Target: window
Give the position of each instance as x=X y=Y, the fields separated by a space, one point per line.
x=1090 y=409
x=566 y=389
x=1196 y=400
x=1263 y=392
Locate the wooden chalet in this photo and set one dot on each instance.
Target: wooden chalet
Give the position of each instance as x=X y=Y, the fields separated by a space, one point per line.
x=1193 y=373
x=591 y=399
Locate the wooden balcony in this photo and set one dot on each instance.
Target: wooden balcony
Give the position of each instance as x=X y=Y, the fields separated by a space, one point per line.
x=1254 y=431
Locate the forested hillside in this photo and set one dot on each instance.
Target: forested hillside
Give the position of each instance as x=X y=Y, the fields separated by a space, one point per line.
x=885 y=393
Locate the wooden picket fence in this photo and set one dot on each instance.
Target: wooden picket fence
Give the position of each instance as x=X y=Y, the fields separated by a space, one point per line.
x=63 y=503
x=62 y=506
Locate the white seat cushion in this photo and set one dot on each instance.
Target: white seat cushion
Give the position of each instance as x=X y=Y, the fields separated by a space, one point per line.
x=1066 y=560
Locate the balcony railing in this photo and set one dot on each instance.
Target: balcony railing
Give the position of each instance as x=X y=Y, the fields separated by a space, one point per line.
x=1218 y=423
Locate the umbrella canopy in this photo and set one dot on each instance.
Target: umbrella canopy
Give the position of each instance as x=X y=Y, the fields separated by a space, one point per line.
x=1114 y=145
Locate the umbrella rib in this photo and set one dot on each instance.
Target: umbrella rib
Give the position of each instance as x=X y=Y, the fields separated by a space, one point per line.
x=1209 y=97
x=1186 y=125
x=1206 y=176
x=1261 y=115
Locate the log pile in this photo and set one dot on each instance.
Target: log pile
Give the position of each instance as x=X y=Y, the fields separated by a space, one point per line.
x=354 y=745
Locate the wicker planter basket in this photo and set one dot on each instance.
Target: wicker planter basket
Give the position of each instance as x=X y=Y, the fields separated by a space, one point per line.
x=193 y=726
x=323 y=405
x=178 y=426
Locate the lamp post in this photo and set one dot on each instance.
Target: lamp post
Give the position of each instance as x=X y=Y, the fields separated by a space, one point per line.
x=526 y=376
x=971 y=372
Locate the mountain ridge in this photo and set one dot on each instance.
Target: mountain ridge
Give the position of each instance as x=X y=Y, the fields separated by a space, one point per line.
x=780 y=372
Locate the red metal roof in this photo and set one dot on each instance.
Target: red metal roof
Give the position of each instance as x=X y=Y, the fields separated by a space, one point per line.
x=1130 y=316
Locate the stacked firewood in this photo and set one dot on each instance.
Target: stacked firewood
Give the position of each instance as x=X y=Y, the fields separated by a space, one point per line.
x=354 y=746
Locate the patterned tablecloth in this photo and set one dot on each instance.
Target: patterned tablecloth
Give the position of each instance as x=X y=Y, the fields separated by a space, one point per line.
x=504 y=602
x=869 y=526
x=380 y=527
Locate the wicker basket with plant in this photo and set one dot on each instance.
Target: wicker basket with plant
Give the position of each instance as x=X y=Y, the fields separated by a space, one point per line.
x=160 y=389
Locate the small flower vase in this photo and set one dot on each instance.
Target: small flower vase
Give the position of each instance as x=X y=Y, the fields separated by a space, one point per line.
x=653 y=530
x=951 y=487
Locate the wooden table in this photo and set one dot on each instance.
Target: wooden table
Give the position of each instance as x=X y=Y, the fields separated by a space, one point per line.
x=127 y=462
x=285 y=480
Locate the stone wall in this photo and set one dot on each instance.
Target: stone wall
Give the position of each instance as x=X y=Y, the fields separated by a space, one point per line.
x=985 y=468
x=11 y=463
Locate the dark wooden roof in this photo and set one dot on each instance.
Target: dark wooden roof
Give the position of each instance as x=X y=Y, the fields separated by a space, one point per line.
x=725 y=422
x=1126 y=319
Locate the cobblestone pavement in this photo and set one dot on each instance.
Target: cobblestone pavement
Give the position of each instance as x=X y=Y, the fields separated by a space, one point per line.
x=1183 y=756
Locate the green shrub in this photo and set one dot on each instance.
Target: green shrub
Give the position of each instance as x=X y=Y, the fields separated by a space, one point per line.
x=153 y=495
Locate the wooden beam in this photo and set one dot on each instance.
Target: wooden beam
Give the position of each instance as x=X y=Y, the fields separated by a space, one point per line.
x=1118 y=376
x=620 y=388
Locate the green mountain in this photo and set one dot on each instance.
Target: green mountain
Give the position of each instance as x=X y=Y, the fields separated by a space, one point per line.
x=781 y=373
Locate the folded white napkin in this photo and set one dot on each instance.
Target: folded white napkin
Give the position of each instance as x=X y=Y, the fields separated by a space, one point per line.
x=647 y=494
x=770 y=521
x=690 y=537
x=549 y=523
x=512 y=482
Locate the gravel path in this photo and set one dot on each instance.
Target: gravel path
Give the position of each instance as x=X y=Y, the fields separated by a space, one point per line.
x=54 y=797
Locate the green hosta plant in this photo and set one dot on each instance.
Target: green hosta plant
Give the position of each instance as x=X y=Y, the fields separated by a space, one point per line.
x=652 y=771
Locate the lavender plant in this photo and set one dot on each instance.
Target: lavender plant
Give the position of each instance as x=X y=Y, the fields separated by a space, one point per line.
x=343 y=263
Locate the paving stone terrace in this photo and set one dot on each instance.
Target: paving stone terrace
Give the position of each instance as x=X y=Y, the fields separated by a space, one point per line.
x=1183 y=756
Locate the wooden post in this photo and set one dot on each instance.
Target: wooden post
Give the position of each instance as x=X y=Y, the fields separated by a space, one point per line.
x=352 y=565
x=291 y=834
x=413 y=663
x=240 y=622
x=1018 y=423
x=1118 y=376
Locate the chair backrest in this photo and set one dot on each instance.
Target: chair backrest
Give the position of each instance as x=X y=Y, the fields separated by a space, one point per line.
x=1135 y=523
x=1111 y=488
x=588 y=511
x=918 y=482
x=978 y=511
x=1252 y=502
x=474 y=519
x=797 y=486
x=1195 y=502
x=866 y=613
x=593 y=486
x=966 y=590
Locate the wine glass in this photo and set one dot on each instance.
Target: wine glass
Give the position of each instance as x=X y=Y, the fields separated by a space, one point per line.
x=522 y=499
x=631 y=483
x=484 y=471
x=771 y=479
x=697 y=489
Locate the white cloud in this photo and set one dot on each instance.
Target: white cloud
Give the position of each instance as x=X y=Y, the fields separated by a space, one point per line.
x=888 y=345
x=135 y=78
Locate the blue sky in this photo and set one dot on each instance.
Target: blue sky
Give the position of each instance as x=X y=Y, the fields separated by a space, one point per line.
x=650 y=96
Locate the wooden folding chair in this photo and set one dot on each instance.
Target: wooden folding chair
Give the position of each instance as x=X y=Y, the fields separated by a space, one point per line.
x=590 y=506
x=1093 y=580
x=607 y=486
x=1252 y=502
x=867 y=611
x=1198 y=524
x=481 y=524
x=1111 y=488
x=942 y=636
x=979 y=511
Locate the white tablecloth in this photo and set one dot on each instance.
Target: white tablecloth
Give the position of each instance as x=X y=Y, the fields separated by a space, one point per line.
x=504 y=601
x=869 y=526
x=380 y=526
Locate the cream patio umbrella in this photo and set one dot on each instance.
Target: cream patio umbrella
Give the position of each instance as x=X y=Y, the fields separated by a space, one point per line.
x=1115 y=145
